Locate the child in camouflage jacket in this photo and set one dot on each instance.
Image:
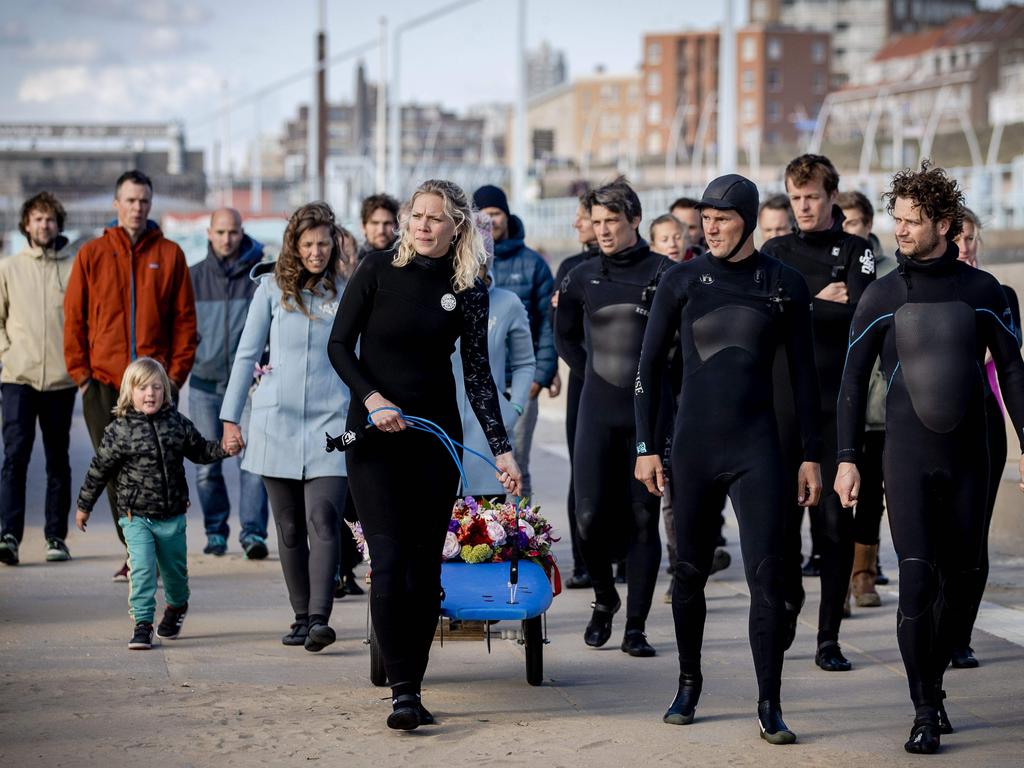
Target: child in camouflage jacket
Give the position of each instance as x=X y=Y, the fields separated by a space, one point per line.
x=143 y=451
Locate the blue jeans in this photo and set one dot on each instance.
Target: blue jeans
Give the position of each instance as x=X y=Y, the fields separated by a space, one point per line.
x=204 y=409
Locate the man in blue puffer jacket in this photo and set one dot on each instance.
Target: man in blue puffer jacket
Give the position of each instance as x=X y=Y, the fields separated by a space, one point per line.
x=223 y=291
x=524 y=272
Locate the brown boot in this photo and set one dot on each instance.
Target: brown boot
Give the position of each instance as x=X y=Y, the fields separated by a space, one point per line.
x=862 y=584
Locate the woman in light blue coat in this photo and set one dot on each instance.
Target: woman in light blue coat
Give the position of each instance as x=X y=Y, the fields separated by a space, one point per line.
x=508 y=341
x=298 y=399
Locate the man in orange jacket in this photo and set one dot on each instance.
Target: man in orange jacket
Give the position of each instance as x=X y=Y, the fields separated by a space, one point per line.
x=129 y=296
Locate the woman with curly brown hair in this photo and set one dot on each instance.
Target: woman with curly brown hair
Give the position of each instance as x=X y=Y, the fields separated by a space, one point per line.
x=404 y=309
x=930 y=322
x=297 y=400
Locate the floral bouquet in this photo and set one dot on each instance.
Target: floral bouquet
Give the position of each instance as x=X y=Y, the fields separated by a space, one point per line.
x=487 y=533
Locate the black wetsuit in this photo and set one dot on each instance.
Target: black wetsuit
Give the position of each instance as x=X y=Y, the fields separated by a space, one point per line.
x=822 y=257
x=405 y=321
x=573 y=390
x=603 y=306
x=731 y=317
x=931 y=323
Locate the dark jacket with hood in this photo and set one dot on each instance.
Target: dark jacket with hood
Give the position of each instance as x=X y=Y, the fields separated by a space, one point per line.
x=223 y=291
x=144 y=455
x=524 y=272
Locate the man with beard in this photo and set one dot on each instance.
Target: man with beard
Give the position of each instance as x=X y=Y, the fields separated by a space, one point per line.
x=930 y=321
x=379 y=216
x=34 y=381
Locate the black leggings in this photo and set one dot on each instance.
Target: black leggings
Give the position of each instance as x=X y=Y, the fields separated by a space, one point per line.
x=616 y=517
x=405 y=538
x=997 y=462
x=307 y=514
x=752 y=476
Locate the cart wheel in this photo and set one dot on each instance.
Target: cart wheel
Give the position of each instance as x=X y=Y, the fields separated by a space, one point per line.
x=534 y=640
x=378 y=675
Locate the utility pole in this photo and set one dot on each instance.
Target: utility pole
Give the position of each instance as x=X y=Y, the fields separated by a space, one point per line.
x=321 y=100
x=380 y=133
x=519 y=159
x=727 y=92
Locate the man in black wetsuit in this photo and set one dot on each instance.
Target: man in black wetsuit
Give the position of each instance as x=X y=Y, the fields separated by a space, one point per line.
x=837 y=267
x=580 y=579
x=731 y=308
x=931 y=321
x=599 y=327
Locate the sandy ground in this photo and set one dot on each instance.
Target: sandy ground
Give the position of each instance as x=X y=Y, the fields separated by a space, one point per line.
x=228 y=693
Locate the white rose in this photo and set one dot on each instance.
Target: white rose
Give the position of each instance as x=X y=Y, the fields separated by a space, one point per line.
x=497 y=533
x=451 y=546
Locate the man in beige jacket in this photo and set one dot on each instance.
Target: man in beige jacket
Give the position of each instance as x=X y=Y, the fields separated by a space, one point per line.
x=34 y=380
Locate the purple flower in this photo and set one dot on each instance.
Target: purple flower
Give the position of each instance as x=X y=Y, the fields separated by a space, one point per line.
x=453 y=525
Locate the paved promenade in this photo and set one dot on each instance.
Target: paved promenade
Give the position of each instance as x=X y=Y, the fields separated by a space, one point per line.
x=229 y=694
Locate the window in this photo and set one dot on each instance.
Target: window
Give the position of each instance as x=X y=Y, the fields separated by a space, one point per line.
x=774 y=48
x=654 y=83
x=818 y=51
x=774 y=79
x=654 y=113
x=748 y=79
x=654 y=143
x=749 y=110
x=611 y=124
x=610 y=94
x=774 y=111
x=749 y=48
x=819 y=81
x=654 y=53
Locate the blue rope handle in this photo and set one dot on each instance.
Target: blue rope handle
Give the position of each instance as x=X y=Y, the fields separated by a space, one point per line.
x=426 y=425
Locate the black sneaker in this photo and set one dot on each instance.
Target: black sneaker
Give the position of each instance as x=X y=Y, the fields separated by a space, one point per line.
x=829 y=657
x=255 y=548
x=9 y=549
x=142 y=639
x=57 y=551
x=634 y=642
x=170 y=625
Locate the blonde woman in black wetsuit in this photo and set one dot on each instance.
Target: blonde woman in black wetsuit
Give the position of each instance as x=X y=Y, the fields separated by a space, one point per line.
x=405 y=309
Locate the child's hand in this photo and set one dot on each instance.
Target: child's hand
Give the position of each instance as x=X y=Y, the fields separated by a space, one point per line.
x=232 y=446
x=81 y=518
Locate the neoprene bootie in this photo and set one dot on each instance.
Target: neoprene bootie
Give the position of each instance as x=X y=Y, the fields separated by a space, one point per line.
x=773 y=728
x=684 y=706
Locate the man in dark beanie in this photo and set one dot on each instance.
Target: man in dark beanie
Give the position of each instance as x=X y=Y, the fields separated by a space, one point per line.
x=524 y=272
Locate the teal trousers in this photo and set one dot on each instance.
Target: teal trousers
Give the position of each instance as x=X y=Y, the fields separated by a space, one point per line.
x=152 y=544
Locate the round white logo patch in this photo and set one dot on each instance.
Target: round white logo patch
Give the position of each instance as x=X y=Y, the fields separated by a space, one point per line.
x=448 y=302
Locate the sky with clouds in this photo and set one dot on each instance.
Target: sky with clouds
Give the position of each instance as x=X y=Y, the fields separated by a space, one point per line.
x=128 y=60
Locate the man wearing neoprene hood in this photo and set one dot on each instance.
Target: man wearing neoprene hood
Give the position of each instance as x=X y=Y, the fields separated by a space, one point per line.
x=728 y=310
